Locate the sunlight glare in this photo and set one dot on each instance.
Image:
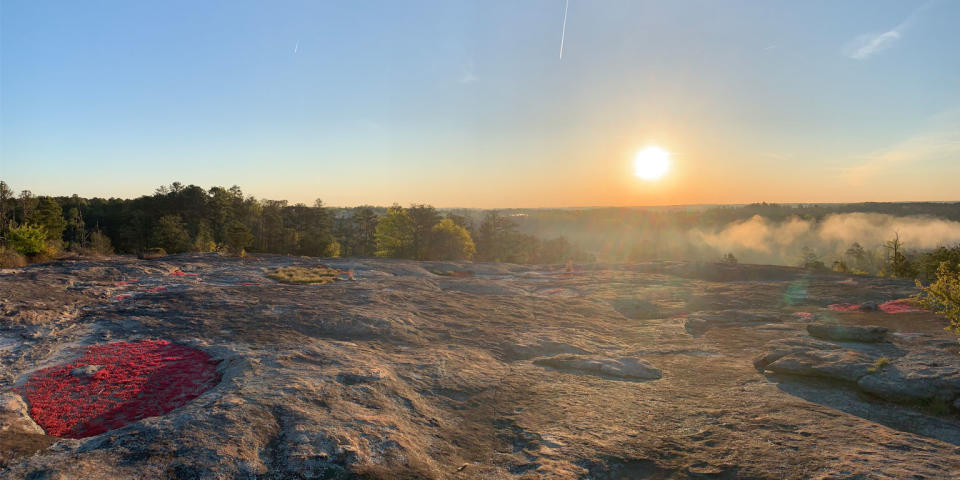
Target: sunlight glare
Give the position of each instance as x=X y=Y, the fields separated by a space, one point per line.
x=651 y=163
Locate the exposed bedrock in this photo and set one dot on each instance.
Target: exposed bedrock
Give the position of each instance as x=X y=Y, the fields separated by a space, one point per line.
x=699 y=322
x=628 y=368
x=461 y=370
x=848 y=333
x=907 y=372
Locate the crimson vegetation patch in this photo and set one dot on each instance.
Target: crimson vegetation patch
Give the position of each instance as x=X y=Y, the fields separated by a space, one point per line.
x=113 y=385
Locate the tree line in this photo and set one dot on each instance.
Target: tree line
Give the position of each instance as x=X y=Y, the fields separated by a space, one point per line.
x=187 y=218
x=891 y=259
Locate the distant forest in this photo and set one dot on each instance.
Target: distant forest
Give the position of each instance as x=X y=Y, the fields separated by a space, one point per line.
x=187 y=218
x=857 y=238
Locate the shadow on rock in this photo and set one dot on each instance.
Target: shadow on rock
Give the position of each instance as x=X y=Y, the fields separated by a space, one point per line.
x=846 y=398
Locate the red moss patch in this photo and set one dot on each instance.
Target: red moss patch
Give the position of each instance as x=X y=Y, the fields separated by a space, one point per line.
x=893 y=306
x=137 y=380
x=899 y=306
x=845 y=307
x=181 y=273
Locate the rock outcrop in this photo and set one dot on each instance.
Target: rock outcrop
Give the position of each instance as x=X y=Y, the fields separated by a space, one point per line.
x=848 y=333
x=464 y=370
x=629 y=368
x=912 y=372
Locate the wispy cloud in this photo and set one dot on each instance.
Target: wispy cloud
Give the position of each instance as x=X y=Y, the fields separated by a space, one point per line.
x=870 y=44
x=467 y=74
x=940 y=142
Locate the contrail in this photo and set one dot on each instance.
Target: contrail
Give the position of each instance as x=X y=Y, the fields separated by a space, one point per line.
x=563 y=31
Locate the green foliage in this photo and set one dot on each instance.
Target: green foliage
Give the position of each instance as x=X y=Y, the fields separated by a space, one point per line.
x=100 y=244
x=333 y=250
x=928 y=263
x=395 y=234
x=943 y=295
x=424 y=217
x=76 y=232
x=356 y=232
x=857 y=256
x=178 y=218
x=49 y=215
x=6 y=207
x=450 y=241
x=810 y=260
x=28 y=203
x=495 y=238
x=840 y=266
x=203 y=240
x=29 y=240
x=557 y=250
x=861 y=261
x=170 y=234
x=314 y=230
x=238 y=238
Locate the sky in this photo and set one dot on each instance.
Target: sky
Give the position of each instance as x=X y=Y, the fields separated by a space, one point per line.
x=470 y=104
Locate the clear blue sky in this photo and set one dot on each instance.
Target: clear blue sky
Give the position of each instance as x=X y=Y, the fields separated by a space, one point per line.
x=468 y=103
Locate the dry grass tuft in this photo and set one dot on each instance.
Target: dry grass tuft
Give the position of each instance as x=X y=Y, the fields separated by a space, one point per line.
x=151 y=253
x=315 y=275
x=11 y=259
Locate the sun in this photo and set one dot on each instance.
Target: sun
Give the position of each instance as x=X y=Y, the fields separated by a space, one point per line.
x=651 y=163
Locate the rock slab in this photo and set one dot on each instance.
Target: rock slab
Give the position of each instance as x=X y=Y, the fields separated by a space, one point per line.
x=625 y=367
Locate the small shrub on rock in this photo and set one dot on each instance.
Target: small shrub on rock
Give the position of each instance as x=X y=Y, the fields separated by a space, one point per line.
x=943 y=296
x=99 y=245
x=28 y=239
x=316 y=275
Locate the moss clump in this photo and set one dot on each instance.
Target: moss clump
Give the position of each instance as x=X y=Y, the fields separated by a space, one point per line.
x=879 y=365
x=316 y=275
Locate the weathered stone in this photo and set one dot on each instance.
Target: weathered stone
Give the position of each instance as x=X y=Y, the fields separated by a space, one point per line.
x=698 y=322
x=627 y=367
x=299 y=398
x=781 y=348
x=86 y=371
x=636 y=309
x=848 y=333
x=846 y=365
x=542 y=347
x=918 y=376
x=14 y=416
x=869 y=307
